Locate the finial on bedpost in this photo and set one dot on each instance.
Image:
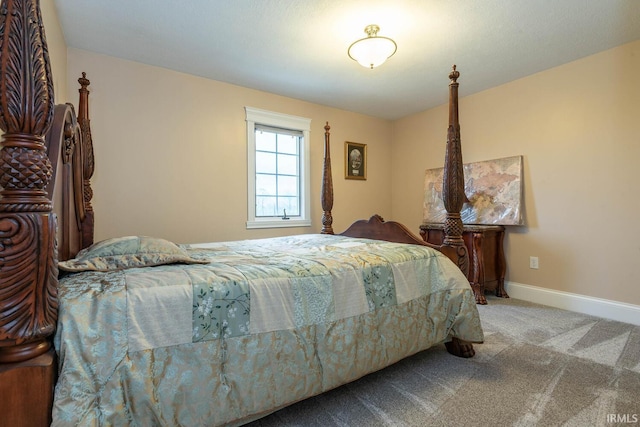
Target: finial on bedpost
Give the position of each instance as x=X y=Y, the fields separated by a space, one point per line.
x=28 y=254
x=453 y=75
x=327 y=185
x=453 y=183
x=84 y=81
x=87 y=161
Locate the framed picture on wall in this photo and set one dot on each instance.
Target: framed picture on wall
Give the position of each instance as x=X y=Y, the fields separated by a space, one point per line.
x=355 y=160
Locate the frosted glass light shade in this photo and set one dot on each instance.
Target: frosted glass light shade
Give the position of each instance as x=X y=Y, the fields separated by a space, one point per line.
x=373 y=50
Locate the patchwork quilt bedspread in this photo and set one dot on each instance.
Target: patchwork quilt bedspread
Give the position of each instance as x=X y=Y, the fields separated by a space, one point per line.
x=263 y=324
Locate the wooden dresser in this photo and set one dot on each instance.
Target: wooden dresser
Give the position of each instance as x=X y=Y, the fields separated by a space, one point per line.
x=487 y=264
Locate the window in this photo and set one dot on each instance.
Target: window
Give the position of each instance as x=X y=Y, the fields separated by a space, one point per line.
x=278 y=170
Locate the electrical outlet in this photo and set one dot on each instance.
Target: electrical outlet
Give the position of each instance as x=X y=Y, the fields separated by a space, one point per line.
x=533 y=262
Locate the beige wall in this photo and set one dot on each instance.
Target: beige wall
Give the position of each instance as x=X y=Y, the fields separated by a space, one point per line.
x=57 y=50
x=578 y=128
x=171 y=158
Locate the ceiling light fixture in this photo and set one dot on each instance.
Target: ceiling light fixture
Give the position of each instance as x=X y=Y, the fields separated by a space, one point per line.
x=372 y=50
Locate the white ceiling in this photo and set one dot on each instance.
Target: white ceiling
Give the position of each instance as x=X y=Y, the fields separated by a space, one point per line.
x=298 y=48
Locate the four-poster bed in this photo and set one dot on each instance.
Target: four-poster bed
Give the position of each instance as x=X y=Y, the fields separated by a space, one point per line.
x=46 y=162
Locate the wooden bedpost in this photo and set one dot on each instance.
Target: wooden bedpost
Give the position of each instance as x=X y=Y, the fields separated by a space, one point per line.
x=327 y=185
x=28 y=255
x=88 y=161
x=453 y=197
x=453 y=183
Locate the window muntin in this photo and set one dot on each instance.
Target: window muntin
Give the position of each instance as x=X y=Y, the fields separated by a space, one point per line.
x=277 y=169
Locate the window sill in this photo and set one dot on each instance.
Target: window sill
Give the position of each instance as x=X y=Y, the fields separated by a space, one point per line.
x=279 y=223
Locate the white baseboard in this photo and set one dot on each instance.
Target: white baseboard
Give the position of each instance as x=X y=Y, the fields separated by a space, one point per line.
x=608 y=309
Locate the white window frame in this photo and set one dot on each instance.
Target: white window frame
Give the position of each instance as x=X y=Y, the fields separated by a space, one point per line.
x=284 y=121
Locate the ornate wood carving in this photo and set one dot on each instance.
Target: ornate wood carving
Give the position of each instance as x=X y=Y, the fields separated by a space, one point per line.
x=453 y=183
x=87 y=161
x=327 y=185
x=377 y=228
x=28 y=260
x=65 y=152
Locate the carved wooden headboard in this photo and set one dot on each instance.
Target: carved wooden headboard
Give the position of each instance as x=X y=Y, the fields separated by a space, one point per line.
x=70 y=148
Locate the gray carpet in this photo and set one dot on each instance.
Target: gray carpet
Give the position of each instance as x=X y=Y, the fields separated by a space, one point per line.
x=538 y=366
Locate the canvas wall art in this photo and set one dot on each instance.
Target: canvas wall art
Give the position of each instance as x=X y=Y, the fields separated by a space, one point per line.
x=493 y=188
